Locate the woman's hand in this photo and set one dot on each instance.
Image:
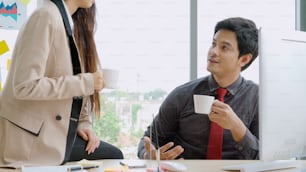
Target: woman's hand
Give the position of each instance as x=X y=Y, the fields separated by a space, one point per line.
x=90 y=136
x=98 y=81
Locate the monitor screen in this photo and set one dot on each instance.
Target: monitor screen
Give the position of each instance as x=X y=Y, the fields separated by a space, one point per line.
x=282 y=94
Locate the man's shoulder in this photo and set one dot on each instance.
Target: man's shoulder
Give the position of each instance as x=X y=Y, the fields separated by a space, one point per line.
x=190 y=85
x=250 y=83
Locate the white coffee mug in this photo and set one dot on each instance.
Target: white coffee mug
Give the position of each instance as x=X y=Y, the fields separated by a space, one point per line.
x=203 y=103
x=111 y=77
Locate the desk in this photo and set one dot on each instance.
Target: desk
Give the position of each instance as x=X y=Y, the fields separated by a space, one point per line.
x=192 y=165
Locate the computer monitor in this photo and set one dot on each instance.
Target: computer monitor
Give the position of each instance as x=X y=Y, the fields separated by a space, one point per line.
x=282 y=94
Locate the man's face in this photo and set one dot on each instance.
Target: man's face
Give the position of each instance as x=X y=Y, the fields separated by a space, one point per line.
x=222 y=58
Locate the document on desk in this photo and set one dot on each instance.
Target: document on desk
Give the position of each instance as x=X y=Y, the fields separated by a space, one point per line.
x=61 y=168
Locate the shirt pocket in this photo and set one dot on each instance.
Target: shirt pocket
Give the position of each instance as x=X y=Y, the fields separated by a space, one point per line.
x=192 y=125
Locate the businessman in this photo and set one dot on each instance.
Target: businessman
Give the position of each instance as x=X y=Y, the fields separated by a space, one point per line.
x=230 y=130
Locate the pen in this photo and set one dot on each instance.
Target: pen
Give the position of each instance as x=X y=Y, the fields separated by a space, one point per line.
x=81 y=168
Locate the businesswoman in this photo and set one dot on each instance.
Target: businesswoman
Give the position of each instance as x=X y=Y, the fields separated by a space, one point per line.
x=52 y=88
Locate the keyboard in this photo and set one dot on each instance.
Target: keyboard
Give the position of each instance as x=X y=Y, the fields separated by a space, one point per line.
x=263 y=166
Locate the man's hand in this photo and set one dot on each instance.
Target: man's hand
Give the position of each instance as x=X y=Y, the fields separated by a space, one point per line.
x=223 y=115
x=93 y=141
x=165 y=152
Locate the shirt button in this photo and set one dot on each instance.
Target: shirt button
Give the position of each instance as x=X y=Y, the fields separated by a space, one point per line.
x=240 y=148
x=58 y=117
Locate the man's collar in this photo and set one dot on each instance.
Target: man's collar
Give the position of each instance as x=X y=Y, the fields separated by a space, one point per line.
x=232 y=89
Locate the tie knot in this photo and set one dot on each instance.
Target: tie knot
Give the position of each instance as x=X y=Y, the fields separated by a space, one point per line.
x=221 y=93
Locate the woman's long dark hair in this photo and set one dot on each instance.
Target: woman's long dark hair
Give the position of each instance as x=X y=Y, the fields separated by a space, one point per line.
x=84 y=28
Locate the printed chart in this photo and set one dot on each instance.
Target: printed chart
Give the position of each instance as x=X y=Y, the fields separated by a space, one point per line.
x=12 y=14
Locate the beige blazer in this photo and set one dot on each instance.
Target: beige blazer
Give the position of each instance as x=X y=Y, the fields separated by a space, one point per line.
x=35 y=103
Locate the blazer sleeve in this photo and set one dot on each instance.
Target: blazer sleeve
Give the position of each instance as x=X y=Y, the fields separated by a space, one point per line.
x=85 y=120
x=32 y=50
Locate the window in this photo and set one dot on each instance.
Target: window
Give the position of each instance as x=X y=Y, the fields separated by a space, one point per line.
x=148 y=42
x=210 y=12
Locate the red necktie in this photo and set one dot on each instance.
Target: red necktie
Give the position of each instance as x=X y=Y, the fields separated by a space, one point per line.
x=214 y=149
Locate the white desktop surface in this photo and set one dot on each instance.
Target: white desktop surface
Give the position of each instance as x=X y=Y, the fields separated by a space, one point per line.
x=192 y=165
